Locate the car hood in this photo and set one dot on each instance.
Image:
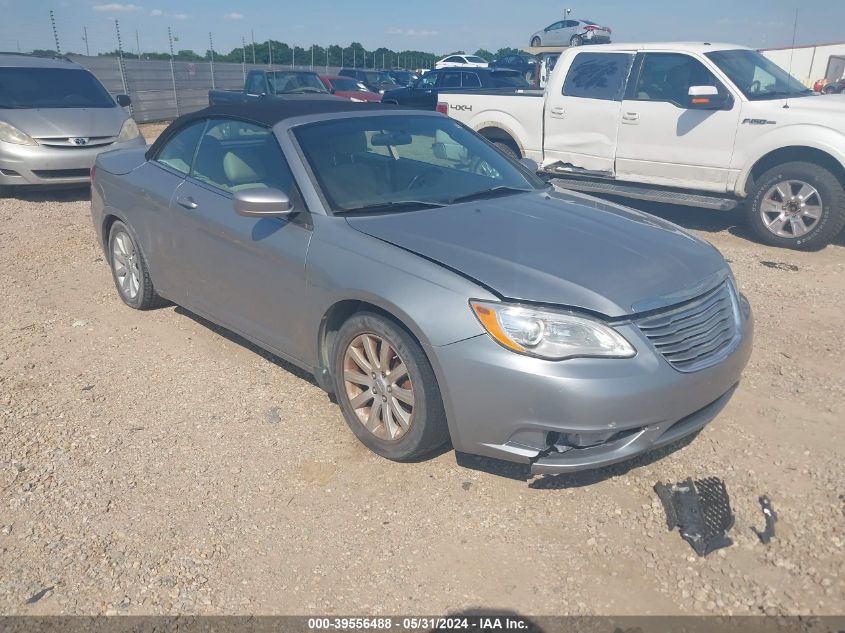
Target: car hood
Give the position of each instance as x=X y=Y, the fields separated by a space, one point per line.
x=559 y=248
x=66 y=122
x=827 y=110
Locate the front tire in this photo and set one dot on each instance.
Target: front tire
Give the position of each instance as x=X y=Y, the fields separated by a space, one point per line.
x=797 y=205
x=535 y=41
x=129 y=269
x=386 y=389
x=576 y=41
x=508 y=149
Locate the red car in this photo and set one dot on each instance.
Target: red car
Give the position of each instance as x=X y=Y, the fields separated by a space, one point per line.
x=348 y=88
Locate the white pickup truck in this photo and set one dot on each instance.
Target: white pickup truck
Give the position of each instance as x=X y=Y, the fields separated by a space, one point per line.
x=708 y=125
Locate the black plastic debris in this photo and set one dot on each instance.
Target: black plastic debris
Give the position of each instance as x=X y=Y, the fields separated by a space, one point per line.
x=702 y=511
x=771 y=518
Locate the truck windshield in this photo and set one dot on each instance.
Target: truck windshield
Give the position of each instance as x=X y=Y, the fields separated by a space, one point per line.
x=395 y=163
x=756 y=76
x=294 y=82
x=24 y=88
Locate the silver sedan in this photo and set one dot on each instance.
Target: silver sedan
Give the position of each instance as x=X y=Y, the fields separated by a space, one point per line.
x=439 y=289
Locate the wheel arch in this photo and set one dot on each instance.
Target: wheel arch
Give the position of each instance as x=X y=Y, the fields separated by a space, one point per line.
x=341 y=311
x=494 y=133
x=790 y=154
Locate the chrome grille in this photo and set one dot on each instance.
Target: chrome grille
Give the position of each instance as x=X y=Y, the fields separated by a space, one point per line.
x=68 y=142
x=698 y=333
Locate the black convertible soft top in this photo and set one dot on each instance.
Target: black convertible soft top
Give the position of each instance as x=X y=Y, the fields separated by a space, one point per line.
x=266 y=113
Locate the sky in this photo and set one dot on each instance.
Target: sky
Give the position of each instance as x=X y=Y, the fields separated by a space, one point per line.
x=438 y=26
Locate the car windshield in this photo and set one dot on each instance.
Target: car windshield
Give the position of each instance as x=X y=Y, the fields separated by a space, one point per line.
x=475 y=60
x=51 y=88
x=345 y=84
x=757 y=77
x=588 y=22
x=389 y=162
x=293 y=82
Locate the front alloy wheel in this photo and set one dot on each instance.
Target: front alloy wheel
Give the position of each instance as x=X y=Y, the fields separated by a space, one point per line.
x=386 y=388
x=791 y=208
x=378 y=387
x=129 y=269
x=797 y=205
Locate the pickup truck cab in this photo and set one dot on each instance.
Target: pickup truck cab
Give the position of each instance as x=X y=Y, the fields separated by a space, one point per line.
x=263 y=84
x=710 y=125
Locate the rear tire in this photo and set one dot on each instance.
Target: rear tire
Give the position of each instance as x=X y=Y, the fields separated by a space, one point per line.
x=535 y=41
x=576 y=41
x=397 y=427
x=508 y=148
x=129 y=269
x=797 y=205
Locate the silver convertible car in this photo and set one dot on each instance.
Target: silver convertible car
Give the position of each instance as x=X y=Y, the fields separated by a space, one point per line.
x=439 y=289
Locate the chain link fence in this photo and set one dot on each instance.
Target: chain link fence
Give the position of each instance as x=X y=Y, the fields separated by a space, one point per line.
x=162 y=90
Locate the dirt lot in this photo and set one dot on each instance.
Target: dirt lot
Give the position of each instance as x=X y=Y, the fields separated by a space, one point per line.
x=152 y=463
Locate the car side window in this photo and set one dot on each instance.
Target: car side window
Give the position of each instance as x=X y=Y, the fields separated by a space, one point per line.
x=255 y=84
x=427 y=81
x=570 y=24
x=669 y=76
x=598 y=76
x=178 y=152
x=555 y=26
x=235 y=155
x=470 y=80
x=451 y=80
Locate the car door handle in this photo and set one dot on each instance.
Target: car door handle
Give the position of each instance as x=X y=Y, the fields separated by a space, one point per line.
x=558 y=112
x=187 y=201
x=630 y=116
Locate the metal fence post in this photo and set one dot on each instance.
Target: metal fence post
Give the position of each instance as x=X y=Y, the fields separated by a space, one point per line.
x=211 y=50
x=120 y=63
x=173 y=72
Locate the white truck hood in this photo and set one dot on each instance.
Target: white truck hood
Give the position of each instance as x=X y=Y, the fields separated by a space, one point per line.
x=824 y=110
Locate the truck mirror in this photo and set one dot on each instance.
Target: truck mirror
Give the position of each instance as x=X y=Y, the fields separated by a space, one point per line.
x=705 y=98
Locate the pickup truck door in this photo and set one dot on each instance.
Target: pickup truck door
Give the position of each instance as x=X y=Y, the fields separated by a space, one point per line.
x=581 y=120
x=247 y=274
x=661 y=140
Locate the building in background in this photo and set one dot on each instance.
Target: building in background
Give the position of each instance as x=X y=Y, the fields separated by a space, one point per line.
x=810 y=63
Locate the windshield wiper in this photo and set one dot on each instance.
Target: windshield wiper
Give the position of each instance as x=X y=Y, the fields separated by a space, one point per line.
x=489 y=193
x=398 y=205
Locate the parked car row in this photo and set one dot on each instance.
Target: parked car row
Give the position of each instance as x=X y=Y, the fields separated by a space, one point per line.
x=830 y=86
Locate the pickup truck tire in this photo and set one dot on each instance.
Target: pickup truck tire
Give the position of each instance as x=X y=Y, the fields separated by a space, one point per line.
x=797 y=205
x=508 y=149
x=381 y=373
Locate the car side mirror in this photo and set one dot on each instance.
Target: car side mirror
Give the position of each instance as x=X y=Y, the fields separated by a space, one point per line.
x=262 y=203
x=123 y=100
x=706 y=98
x=530 y=164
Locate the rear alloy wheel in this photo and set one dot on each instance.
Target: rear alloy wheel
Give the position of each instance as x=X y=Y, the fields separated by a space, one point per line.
x=797 y=205
x=535 y=41
x=387 y=389
x=576 y=40
x=129 y=270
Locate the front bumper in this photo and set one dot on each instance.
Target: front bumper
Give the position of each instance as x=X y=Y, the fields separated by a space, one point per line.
x=43 y=165
x=581 y=413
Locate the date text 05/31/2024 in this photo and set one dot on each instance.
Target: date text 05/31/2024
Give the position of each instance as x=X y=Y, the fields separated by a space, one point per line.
x=478 y=623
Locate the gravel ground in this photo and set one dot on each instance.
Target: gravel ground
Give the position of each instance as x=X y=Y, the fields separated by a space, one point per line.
x=154 y=463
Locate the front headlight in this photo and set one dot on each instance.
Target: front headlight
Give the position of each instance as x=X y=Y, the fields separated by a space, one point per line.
x=128 y=131
x=11 y=134
x=548 y=334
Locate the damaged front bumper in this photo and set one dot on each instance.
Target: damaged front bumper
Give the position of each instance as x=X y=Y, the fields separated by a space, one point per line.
x=559 y=417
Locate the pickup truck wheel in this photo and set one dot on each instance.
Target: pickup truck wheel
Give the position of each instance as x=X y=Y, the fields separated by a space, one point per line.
x=797 y=205
x=535 y=41
x=576 y=41
x=508 y=149
x=129 y=270
x=386 y=389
